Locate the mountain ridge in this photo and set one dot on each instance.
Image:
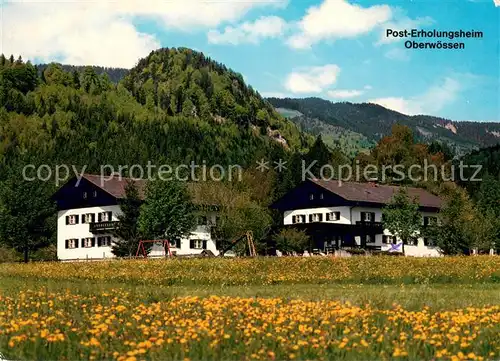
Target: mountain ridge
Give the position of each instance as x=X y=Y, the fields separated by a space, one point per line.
x=374 y=121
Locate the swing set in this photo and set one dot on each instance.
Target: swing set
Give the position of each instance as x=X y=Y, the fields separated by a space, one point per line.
x=141 y=250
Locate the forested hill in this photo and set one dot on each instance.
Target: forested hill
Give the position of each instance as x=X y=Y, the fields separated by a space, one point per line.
x=483 y=165
x=175 y=106
x=114 y=74
x=374 y=121
x=184 y=82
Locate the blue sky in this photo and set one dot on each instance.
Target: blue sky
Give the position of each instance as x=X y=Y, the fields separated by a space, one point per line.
x=333 y=49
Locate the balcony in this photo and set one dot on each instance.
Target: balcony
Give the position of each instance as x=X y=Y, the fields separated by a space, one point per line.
x=368 y=223
x=102 y=227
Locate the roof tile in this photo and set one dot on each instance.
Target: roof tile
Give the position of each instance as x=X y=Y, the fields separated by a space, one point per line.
x=377 y=193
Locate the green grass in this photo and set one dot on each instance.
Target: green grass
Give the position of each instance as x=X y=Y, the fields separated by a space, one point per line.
x=411 y=297
x=264 y=271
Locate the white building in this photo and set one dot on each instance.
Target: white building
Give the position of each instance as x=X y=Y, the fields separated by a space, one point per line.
x=340 y=215
x=88 y=211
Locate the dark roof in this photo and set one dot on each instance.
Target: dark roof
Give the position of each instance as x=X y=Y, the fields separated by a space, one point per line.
x=115 y=186
x=376 y=193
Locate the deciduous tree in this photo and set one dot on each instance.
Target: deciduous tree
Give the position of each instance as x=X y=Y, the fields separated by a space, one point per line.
x=291 y=241
x=401 y=216
x=167 y=211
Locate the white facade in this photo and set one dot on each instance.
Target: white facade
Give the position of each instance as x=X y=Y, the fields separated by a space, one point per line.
x=80 y=231
x=351 y=215
x=198 y=235
x=76 y=242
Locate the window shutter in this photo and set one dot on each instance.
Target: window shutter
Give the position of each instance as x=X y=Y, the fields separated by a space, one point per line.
x=337 y=216
x=363 y=217
x=83 y=218
x=99 y=217
x=204 y=244
x=92 y=218
x=372 y=217
x=67 y=219
x=310 y=218
x=67 y=243
x=99 y=241
x=77 y=219
x=93 y=242
x=321 y=217
x=110 y=216
x=191 y=243
x=83 y=242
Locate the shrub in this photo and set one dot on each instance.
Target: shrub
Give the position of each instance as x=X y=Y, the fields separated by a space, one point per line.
x=290 y=240
x=8 y=255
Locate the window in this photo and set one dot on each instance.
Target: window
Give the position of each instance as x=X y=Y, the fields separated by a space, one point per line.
x=71 y=243
x=72 y=219
x=389 y=239
x=198 y=244
x=411 y=241
x=367 y=238
x=104 y=241
x=333 y=216
x=105 y=216
x=88 y=218
x=84 y=195
x=175 y=243
x=88 y=242
x=429 y=242
x=332 y=243
x=299 y=219
x=311 y=196
x=321 y=196
x=94 y=194
x=368 y=216
x=430 y=221
x=316 y=217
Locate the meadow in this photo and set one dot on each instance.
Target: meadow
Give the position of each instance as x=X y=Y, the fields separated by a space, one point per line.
x=359 y=308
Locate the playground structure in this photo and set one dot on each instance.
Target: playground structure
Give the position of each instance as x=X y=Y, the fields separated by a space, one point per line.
x=141 y=250
x=248 y=235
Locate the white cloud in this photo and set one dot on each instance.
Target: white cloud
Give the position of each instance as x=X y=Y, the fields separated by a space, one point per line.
x=401 y=105
x=313 y=79
x=431 y=101
x=344 y=93
x=496 y=2
x=103 y=33
x=337 y=19
x=347 y=93
x=249 y=32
